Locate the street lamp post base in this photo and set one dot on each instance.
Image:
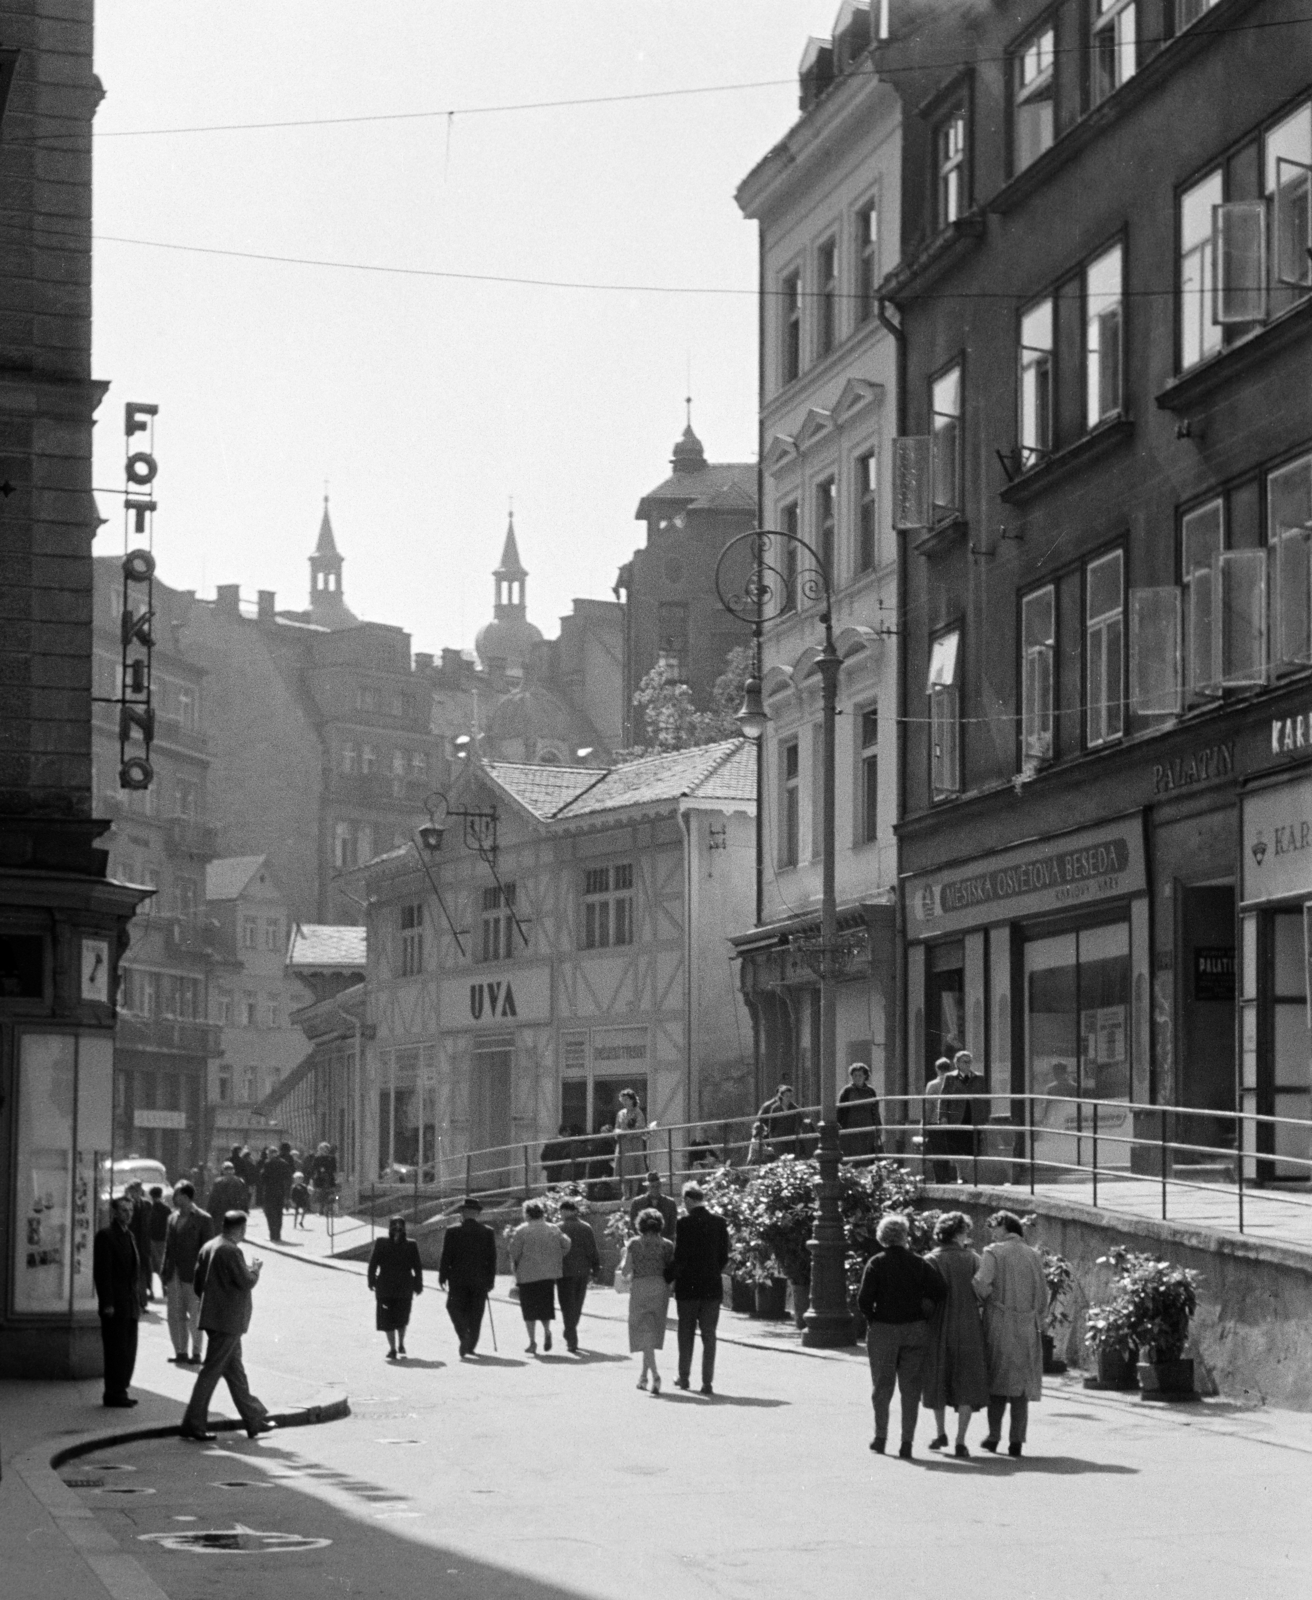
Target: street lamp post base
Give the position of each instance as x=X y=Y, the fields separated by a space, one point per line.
x=827 y=1330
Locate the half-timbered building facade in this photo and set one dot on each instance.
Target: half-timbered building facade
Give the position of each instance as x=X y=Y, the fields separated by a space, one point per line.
x=518 y=988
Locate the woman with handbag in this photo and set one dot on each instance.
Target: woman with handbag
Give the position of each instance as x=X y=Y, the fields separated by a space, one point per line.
x=630 y=1143
x=646 y=1257
x=396 y=1276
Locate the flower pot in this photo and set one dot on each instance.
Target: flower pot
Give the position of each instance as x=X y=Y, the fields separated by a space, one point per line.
x=801 y=1302
x=742 y=1296
x=1051 y=1364
x=1167 y=1380
x=1115 y=1371
x=772 y=1299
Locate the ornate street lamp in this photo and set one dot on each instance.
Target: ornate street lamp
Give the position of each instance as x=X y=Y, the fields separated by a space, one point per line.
x=786 y=574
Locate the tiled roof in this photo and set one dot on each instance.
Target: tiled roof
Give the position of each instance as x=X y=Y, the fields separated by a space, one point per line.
x=543 y=790
x=325 y=944
x=722 y=771
x=226 y=878
x=697 y=486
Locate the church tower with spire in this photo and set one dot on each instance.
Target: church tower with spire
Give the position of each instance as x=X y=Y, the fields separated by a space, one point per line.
x=509 y=638
x=327 y=607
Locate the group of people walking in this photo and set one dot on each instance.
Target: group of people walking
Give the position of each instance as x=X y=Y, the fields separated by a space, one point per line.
x=955 y=1330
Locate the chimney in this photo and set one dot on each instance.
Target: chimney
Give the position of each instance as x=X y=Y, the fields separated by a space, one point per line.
x=452 y=661
x=227 y=600
x=423 y=661
x=267 y=598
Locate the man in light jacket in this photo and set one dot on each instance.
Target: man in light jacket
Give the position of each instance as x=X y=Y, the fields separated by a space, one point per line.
x=188 y=1229
x=224 y=1281
x=1014 y=1290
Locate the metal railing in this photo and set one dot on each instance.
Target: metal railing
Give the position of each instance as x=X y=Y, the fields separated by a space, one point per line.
x=1118 y=1151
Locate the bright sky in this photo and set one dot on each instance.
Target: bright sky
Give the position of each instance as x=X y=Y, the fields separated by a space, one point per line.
x=427 y=403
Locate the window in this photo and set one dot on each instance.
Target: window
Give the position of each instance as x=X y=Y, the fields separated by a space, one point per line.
x=950 y=166
x=1104 y=630
x=223 y=1007
x=1187 y=12
x=1103 y=315
x=273 y=933
x=1038 y=639
x=366 y=699
x=672 y=629
x=944 y=715
x=1289 y=530
x=349 y=759
x=250 y=930
x=826 y=517
x=826 y=271
x=867 y=260
x=412 y=940
x=608 y=910
x=248 y=1080
x=498 y=925
x=790 y=804
x=342 y=845
x=1200 y=333
x=868 y=778
x=368 y=759
x=1035 y=383
x=1033 y=124
x=364 y=843
x=1260 y=248
x=1114 y=45
x=186 y=799
x=249 y=1010
x=186 y=896
x=225 y=1085
x=188 y=708
x=788 y=522
x=419 y=765
x=272 y=1011
x=790 y=310
x=1202 y=537
x=945 y=432
x=867 y=511
x=398 y=773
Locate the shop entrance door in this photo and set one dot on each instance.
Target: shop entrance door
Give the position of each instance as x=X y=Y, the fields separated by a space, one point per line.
x=945 y=1003
x=489 y=1117
x=1291 y=1044
x=1206 y=942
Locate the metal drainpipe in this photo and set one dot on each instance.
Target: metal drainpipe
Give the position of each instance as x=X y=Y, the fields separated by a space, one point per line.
x=686 y=818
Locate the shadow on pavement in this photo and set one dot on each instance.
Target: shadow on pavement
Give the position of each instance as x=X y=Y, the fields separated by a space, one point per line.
x=496 y=1361
x=1005 y=1466
x=586 y=1358
x=415 y=1361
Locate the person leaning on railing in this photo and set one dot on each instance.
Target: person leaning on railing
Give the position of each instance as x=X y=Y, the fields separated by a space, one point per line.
x=860 y=1129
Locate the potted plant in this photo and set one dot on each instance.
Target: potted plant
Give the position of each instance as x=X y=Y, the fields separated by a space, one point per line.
x=1060 y=1278
x=1109 y=1334
x=1160 y=1300
x=724 y=1190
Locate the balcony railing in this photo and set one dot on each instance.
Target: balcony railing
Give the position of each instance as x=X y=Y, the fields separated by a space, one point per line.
x=169 y=1036
x=185 y=836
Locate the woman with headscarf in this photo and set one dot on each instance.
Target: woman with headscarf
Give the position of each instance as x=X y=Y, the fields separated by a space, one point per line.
x=860 y=1131
x=396 y=1276
x=956 y=1371
x=537 y=1253
x=630 y=1142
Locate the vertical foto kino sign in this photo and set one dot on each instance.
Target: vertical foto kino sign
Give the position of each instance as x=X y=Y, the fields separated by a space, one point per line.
x=500 y=999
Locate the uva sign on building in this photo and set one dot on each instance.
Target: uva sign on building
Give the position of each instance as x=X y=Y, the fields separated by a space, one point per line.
x=505 y=997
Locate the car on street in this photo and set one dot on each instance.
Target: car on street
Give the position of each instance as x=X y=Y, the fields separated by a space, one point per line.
x=116 y=1175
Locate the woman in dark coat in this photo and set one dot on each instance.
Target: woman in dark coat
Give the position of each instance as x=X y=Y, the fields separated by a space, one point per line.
x=956 y=1369
x=396 y=1276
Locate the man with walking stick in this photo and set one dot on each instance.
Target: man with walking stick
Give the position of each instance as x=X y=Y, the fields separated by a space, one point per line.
x=468 y=1271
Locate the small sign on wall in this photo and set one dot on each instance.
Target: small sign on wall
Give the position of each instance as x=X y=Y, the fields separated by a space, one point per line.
x=1214 y=972
x=95 y=970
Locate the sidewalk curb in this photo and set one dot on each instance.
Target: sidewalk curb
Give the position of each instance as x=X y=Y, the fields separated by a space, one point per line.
x=120 y=1574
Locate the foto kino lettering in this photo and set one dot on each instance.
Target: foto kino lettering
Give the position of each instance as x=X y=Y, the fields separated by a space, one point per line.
x=1047 y=872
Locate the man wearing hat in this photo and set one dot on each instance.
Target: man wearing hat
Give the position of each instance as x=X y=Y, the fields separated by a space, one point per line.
x=468 y=1271
x=654 y=1200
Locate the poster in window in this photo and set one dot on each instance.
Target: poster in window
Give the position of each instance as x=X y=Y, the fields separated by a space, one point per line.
x=43 y=1189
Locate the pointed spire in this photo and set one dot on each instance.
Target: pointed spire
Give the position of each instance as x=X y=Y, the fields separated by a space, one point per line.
x=510 y=566
x=688 y=453
x=327 y=545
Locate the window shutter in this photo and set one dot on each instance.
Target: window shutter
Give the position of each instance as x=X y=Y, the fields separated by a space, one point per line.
x=1293 y=599
x=1038 y=702
x=1200 y=643
x=911 y=482
x=1155 y=652
x=1239 y=251
x=1239 y=617
x=1293 y=233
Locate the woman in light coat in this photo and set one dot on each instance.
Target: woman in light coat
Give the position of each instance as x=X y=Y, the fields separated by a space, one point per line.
x=956 y=1370
x=537 y=1251
x=1014 y=1290
x=630 y=1143
x=646 y=1257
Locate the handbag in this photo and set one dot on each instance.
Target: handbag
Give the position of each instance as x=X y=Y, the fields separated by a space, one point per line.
x=623 y=1280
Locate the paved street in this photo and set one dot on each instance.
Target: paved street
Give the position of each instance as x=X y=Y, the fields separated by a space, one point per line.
x=509 y=1477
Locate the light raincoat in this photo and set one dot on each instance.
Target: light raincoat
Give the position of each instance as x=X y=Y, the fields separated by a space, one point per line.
x=1011 y=1284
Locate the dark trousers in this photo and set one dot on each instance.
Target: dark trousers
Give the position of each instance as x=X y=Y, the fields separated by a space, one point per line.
x=118 y=1336
x=571 y=1292
x=1020 y=1416
x=222 y=1360
x=465 y=1308
x=897 y=1358
x=697 y=1316
x=273 y=1216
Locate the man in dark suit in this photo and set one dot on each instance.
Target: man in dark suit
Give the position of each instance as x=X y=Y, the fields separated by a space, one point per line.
x=277 y=1186
x=116 y=1273
x=468 y=1272
x=701 y=1253
x=224 y=1281
x=654 y=1199
x=228 y=1194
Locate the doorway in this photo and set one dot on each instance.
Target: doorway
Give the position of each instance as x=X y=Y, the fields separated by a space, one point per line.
x=1205 y=939
x=489 y=1112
